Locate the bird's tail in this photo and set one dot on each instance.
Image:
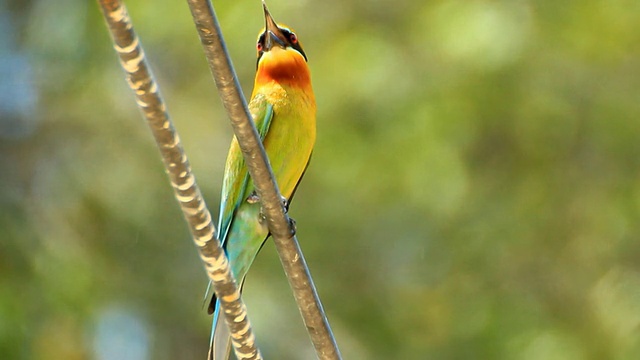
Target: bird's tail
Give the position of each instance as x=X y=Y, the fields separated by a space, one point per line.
x=220 y=345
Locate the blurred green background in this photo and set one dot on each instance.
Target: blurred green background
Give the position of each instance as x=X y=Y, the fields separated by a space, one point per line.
x=474 y=191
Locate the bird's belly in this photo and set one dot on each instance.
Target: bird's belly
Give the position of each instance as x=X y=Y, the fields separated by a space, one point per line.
x=289 y=145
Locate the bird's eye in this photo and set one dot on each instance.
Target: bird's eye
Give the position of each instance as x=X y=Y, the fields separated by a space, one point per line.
x=293 y=38
x=260 y=45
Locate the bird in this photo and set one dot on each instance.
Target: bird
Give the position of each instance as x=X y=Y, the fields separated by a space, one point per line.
x=283 y=108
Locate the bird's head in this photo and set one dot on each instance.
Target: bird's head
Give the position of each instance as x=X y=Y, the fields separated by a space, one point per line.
x=280 y=55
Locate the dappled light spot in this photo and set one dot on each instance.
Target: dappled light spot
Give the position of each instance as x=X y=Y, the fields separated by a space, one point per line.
x=615 y=300
x=120 y=334
x=479 y=34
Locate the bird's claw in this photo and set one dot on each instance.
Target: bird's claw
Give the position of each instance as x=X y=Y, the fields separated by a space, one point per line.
x=285 y=204
x=292 y=227
x=253 y=198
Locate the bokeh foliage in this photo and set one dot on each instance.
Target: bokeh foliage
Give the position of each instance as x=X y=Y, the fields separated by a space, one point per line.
x=474 y=192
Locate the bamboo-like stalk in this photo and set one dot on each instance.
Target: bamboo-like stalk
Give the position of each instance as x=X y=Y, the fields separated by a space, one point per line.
x=186 y=191
x=280 y=225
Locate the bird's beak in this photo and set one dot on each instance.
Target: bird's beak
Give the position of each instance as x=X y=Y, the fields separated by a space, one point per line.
x=273 y=35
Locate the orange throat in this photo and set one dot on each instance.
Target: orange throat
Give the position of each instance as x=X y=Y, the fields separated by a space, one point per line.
x=284 y=66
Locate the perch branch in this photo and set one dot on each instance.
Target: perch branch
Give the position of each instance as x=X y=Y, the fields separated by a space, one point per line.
x=186 y=191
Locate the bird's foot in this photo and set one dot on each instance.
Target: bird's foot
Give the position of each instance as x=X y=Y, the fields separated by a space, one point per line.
x=253 y=198
x=285 y=203
x=292 y=227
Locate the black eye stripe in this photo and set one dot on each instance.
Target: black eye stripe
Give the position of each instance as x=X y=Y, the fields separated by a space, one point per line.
x=288 y=34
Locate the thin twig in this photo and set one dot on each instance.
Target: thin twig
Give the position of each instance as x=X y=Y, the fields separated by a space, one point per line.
x=186 y=191
x=255 y=157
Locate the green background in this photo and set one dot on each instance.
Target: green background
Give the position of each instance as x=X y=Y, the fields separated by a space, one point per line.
x=474 y=191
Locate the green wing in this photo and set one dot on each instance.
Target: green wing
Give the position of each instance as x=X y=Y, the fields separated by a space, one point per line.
x=236 y=175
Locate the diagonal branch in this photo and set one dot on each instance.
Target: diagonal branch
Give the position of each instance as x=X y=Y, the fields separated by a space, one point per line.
x=280 y=224
x=186 y=191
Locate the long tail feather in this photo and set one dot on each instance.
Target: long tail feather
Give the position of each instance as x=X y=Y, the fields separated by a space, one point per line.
x=220 y=347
